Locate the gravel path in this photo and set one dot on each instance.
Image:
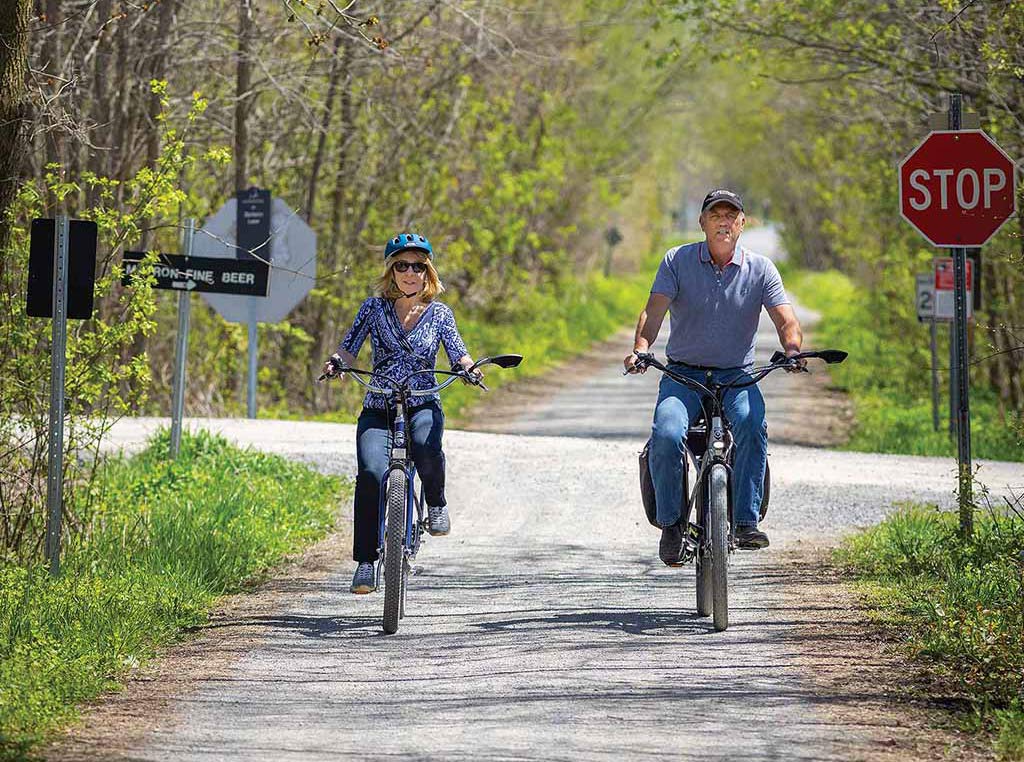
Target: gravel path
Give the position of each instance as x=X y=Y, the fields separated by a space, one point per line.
x=545 y=628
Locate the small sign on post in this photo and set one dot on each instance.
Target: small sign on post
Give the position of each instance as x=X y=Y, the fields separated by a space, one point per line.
x=945 y=288
x=925 y=303
x=924 y=299
x=177 y=272
x=62 y=270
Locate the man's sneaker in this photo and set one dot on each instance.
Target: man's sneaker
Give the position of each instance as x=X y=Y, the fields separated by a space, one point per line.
x=365 y=579
x=750 y=538
x=438 y=523
x=671 y=546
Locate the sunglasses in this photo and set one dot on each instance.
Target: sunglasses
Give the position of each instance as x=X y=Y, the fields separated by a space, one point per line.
x=417 y=267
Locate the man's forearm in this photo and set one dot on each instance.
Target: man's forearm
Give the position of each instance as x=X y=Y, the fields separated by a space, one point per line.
x=646 y=332
x=790 y=336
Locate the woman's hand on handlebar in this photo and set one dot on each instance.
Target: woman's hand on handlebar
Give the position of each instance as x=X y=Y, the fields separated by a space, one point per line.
x=474 y=376
x=332 y=368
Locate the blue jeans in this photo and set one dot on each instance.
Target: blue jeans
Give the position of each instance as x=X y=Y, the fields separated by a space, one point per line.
x=373 y=451
x=677 y=406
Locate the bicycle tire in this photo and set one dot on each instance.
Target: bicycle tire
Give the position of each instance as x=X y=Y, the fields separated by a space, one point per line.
x=703 y=562
x=394 y=578
x=719 y=515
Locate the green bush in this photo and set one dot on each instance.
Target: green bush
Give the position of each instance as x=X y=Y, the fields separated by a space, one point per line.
x=887 y=378
x=961 y=604
x=158 y=541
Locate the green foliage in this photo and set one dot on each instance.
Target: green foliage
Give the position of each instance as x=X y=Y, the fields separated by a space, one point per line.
x=888 y=376
x=105 y=374
x=161 y=540
x=808 y=107
x=960 y=606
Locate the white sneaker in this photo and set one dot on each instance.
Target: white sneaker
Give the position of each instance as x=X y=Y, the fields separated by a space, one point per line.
x=438 y=523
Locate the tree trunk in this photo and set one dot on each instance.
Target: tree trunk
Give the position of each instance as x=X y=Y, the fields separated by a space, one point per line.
x=321 y=143
x=243 y=94
x=13 y=65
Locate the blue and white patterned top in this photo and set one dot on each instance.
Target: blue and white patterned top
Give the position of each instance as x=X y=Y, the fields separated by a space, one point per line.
x=397 y=352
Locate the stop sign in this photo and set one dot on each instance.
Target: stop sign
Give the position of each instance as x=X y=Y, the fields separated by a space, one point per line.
x=957 y=188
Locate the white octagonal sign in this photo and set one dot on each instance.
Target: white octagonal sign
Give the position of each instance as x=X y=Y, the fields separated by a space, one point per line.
x=292 y=263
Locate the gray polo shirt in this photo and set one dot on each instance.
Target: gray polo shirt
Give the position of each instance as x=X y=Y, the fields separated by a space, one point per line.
x=714 y=313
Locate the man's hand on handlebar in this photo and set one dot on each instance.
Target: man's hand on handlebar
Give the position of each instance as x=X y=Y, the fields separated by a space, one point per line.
x=631 y=365
x=797 y=365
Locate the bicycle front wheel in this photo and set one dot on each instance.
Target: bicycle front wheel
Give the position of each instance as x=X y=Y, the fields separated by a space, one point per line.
x=719 y=516
x=705 y=605
x=394 y=577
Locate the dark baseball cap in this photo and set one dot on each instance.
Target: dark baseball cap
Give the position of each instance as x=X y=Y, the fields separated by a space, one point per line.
x=721 y=196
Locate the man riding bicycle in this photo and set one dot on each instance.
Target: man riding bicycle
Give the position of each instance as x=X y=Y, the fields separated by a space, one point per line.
x=714 y=290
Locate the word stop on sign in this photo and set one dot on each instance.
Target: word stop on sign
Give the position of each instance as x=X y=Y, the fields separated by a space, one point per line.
x=969 y=188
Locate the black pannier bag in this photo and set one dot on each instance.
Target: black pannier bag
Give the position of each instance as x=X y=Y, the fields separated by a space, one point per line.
x=647 y=485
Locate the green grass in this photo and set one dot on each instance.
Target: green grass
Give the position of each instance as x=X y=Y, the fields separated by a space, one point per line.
x=959 y=607
x=888 y=379
x=158 y=541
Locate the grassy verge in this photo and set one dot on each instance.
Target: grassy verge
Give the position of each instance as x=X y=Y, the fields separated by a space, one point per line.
x=158 y=541
x=960 y=607
x=887 y=377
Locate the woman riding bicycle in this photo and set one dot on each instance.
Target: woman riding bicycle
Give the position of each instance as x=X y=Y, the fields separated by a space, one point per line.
x=406 y=327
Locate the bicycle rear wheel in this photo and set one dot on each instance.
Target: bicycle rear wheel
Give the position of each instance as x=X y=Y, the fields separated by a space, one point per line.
x=394 y=573
x=719 y=519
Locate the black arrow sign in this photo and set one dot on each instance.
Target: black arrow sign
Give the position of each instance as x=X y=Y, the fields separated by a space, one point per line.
x=175 y=272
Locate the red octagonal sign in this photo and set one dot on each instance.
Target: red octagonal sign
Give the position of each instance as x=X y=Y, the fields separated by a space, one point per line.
x=957 y=188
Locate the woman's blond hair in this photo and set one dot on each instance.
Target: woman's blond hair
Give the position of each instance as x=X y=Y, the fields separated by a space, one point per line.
x=386 y=286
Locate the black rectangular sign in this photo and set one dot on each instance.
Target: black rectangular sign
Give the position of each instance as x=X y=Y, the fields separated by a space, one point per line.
x=81 y=268
x=215 y=275
x=253 y=224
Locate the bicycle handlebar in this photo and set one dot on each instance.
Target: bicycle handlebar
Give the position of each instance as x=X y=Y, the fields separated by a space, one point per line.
x=778 y=360
x=502 y=361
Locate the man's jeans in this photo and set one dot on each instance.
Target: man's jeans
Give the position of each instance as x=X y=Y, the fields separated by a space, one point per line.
x=677 y=406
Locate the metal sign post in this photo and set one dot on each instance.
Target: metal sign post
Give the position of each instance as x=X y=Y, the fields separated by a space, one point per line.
x=963 y=407
x=252 y=226
x=58 y=361
x=250 y=394
x=935 y=375
x=958 y=187
x=184 y=305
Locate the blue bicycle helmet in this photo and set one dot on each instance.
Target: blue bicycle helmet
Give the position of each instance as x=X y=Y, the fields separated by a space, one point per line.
x=408 y=242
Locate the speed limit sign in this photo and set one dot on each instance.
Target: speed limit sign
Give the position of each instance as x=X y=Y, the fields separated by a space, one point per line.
x=925 y=297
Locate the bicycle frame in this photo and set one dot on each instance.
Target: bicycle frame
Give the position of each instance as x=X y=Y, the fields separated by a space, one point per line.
x=400 y=458
x=719 y=448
